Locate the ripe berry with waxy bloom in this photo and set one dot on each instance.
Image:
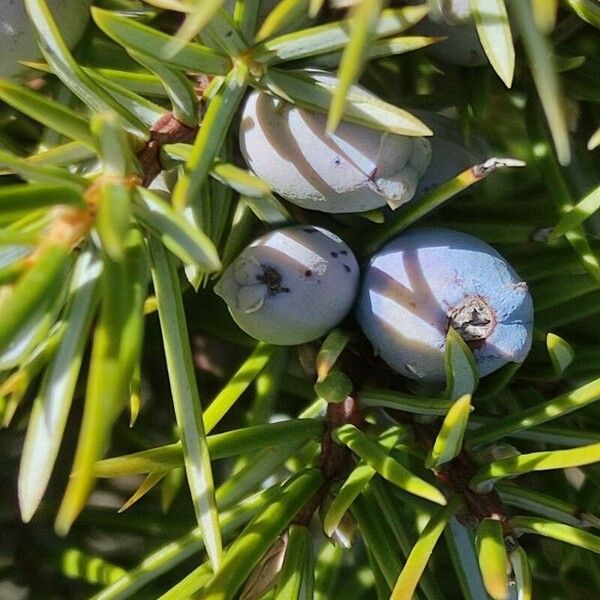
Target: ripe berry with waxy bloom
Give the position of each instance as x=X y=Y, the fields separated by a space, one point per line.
x=353 y=169
x=291 y=285
x=452 y=20
x=430 y=279
x=450 y=152
x=18 y=40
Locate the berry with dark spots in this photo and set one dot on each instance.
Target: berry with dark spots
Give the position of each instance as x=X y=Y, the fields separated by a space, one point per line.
x=272 y=279
x=286 y=289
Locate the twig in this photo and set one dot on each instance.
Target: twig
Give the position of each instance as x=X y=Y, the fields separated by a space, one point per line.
x=168 y=130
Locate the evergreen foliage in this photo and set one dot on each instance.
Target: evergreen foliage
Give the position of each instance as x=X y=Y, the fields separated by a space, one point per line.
x=249 y=470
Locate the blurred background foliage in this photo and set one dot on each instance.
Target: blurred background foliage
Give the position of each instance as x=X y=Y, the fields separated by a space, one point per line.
x=113 y=344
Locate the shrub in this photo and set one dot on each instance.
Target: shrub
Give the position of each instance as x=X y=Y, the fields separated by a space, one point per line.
x=255 y=470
